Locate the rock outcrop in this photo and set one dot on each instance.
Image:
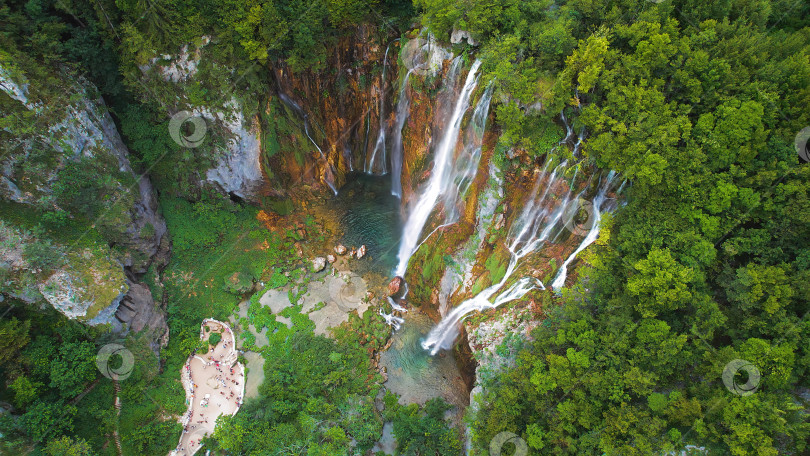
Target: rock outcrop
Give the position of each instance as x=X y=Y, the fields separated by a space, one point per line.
x=73 y=169
x=138 y=311
x=318 y=264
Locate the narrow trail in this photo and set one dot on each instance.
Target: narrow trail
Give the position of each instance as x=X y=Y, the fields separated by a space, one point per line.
x=117 y=404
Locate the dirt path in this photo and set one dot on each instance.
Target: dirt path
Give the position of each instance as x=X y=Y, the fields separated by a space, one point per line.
x=214 y=384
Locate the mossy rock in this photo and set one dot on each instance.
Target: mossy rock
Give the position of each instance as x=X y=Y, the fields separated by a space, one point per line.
x=239 y=283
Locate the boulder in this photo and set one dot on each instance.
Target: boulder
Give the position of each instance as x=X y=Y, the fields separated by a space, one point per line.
x=395 y=286
x=318 y=264
x=331 y=258
x=340 y=249
x=361 y=252
x=139 y=311
x=462 y=35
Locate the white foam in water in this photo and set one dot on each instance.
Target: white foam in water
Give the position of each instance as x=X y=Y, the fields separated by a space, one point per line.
x=392 y=320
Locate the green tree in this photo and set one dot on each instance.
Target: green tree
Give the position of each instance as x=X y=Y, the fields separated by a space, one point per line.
x=13 y=337
x=73 y=368
x=66 y=446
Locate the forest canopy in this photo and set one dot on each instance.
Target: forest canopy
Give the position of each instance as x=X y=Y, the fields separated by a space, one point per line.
x=696 y=103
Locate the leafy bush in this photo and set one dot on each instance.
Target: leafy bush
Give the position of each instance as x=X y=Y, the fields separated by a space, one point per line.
x=421 y=430
x=43 y=255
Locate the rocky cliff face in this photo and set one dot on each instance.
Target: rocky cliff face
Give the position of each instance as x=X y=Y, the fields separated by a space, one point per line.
x=64 y=165
x=343 y=104
x=308 y=127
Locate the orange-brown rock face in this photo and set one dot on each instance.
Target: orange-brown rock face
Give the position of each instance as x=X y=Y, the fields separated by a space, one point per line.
x=341 y=105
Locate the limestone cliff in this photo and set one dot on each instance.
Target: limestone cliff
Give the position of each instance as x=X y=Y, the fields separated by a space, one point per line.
x=81 y=218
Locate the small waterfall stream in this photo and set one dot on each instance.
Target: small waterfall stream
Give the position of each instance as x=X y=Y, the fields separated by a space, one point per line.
x=329 y=172
x=441 y=177
x=397 y=151
x=597 y=206
x=377 y=164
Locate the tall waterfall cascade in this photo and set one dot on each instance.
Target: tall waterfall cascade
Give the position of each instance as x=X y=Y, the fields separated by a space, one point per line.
x=397 y=150
x=543 y=218
x=443 y=174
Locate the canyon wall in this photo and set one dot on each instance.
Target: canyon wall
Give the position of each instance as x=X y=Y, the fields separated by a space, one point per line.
x=81 y=226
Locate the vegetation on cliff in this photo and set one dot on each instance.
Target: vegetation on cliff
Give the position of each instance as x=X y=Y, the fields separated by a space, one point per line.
x=695 y=103
x=698 y=105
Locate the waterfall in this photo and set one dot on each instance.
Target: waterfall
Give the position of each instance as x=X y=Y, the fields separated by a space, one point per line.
x=392 y=320
x=540 y=218
x=595 y=216
x=291 y=104
x=578 y=144
x=330 y=171
x=533 y=226
x=375 y=164
x=465 y=165
x=569 y=131
x=397 y=152
x=441 y=175
x=347 y=155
